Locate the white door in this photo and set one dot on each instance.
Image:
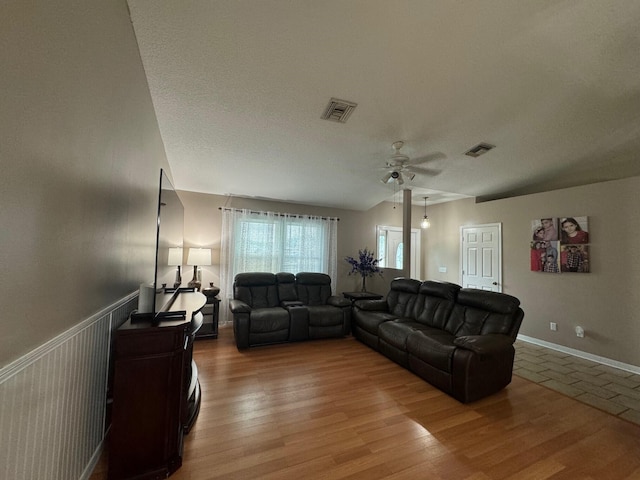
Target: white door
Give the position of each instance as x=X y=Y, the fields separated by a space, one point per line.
x=481 y=257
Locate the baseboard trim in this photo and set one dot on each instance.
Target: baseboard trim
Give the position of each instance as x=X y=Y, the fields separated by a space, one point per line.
x=579 y=353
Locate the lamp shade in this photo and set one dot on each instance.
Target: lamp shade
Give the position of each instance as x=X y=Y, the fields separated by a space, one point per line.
x=199 y=256
x=175 y=256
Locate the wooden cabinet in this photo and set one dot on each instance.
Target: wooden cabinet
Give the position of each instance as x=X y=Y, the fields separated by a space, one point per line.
x=156 y=394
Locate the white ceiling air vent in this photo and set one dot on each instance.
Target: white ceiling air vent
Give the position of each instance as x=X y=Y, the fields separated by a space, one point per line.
x=479 y=149
x=338 y=110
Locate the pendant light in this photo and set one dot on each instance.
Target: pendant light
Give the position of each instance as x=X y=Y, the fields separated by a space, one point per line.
x=425 y=221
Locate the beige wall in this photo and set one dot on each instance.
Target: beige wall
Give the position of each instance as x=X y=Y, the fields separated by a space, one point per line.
x=81 y=155
x=605 y=302
x=356 y=230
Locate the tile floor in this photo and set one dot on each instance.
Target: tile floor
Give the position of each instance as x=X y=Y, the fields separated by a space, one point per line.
x=610 y=389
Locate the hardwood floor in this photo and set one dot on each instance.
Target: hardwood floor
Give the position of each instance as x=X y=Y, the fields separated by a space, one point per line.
x=335 y=409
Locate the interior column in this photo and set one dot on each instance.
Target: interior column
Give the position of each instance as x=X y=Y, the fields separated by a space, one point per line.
x=406 y=232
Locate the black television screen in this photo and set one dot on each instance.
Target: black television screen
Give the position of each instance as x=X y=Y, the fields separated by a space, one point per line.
x=170 y=235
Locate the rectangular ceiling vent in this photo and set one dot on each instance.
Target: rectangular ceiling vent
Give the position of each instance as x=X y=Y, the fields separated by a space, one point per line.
x=479 y=149
x=338 y=110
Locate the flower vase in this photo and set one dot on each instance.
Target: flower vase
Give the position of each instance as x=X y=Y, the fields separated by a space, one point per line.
x=364 y=283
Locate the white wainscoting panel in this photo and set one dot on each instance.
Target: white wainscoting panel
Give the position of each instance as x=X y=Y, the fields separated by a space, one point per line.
x=53 y=401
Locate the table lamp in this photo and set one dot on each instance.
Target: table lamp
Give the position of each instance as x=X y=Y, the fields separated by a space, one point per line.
x=198 y=257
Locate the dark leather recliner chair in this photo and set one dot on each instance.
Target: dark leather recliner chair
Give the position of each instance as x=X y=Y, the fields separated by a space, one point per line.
x=329 y=316
x=258 y=317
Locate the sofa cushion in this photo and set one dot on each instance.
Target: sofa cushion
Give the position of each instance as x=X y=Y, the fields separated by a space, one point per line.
x=479 y=312
x=396 y=332
x=435 y=349
x=256 y=289
x=402 y=297
x=325 y=315
x=371 y=320
x=313 y=288
x=434 y=303
x=269 y=320
x=286 y=287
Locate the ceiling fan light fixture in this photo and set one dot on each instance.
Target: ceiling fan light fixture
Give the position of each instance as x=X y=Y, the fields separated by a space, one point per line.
x=386 y=178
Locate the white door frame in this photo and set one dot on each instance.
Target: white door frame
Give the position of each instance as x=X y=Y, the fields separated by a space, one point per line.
x=415 y=245
x=498 y=287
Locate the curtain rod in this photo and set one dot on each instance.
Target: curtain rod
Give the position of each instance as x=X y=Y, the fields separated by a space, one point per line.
x=257 y=212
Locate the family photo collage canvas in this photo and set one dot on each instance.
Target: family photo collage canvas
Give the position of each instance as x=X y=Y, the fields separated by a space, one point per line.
x=560 y=244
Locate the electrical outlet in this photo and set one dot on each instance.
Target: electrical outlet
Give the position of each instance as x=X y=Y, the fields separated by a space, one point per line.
x=442 y=269
x=553 y=326
x=580 y=332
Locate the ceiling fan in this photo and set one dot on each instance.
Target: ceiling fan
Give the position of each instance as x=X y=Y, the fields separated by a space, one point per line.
x=399 y=166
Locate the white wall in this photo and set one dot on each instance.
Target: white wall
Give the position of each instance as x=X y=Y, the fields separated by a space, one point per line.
x=81 y=155
x=605 y=302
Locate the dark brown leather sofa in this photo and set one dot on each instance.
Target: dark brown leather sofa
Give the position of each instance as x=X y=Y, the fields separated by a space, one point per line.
x=272 y=308
x=458 y=339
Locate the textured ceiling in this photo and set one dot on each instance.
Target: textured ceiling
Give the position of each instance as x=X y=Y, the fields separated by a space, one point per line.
x=239 y=87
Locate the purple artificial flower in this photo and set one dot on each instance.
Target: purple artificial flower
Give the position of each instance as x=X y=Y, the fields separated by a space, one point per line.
x=366 y=265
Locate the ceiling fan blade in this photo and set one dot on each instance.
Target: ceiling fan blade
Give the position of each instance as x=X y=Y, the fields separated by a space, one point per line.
x=432 y=157
x=432 y=172
x=386 y=177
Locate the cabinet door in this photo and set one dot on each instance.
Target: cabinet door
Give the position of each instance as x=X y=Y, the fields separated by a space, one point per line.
x=148 y=397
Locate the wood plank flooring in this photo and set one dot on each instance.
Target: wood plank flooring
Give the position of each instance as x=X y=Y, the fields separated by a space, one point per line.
x=335 y=409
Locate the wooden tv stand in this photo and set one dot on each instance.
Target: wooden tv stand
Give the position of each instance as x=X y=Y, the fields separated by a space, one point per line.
x=156 y=393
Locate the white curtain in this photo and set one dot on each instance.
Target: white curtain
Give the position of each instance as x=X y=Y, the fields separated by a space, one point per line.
x=274 y=242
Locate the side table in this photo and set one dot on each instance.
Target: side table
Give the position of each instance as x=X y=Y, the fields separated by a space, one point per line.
x=353 y=296
x=210 y=313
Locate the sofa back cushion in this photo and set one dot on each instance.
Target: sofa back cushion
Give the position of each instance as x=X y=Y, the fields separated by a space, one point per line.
x=257 y=289
x=435 y=302
x=313 y=288
x=286 y=287
x=402 y=296
x=479 y=312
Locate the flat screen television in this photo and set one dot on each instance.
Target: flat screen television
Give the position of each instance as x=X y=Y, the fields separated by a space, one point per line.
x=170 y=234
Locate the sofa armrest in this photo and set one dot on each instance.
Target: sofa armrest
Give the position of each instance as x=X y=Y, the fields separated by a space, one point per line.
x=372 y=305
x=238 y=306
x=484 y=345
x=340 y=302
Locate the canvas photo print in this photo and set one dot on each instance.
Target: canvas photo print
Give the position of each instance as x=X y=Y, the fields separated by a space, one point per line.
x=560 y=244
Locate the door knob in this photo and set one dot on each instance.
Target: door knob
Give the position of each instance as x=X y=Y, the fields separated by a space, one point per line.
x=495 y=283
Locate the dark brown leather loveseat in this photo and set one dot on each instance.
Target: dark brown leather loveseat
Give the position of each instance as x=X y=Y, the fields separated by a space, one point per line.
x=274 y=308
x=458 y=339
